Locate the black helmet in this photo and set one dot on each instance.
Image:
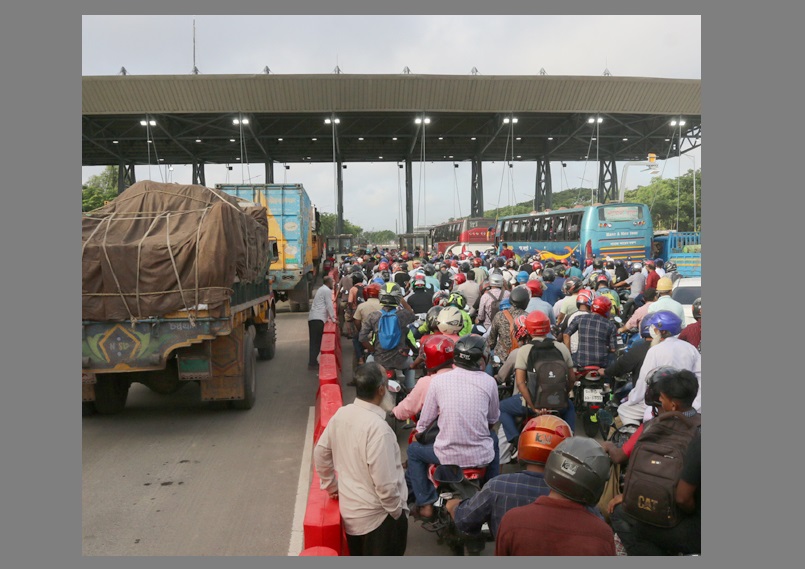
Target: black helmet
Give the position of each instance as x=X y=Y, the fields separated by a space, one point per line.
x=598 y=264
x=696 y=308
x=465 y=266
x=469 y=352
x=520 y=297
x=390 y=294
x=578 y=469
x=430 y=269
x=572 y=285
x=652 y=396
x=548 y=275
x=432 y=318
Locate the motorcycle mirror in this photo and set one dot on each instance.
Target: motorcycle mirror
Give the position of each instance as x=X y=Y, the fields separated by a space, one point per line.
x=481 y=329
x=496 y=359
x=618 y=320
x=394 y=386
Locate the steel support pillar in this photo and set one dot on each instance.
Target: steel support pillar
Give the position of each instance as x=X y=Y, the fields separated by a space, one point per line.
x=269 y=172
x=339 y=221
x=543 y=189
x=198 y=174
x=607 y=180
x=125 y=176
x=477 y=188
x=409 y=196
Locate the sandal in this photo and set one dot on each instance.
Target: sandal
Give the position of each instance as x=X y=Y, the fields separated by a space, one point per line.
x=416 y=515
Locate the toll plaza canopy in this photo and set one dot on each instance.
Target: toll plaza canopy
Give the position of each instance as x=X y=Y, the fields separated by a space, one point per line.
x=193 y=118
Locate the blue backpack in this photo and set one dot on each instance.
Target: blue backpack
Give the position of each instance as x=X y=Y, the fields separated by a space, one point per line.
x=388 y=330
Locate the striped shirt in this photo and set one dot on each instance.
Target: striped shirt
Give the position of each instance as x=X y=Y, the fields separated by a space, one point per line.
x=466 y=404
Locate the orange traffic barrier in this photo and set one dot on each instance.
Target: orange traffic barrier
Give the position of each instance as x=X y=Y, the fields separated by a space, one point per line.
x=322 y=525
x=319 y=551
x=331 y=344
x=330 y=328
x=329 y=372
x=328 y=401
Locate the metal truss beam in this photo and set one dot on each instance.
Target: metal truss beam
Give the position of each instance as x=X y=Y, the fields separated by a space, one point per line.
x=607 y=180
x=543 y=189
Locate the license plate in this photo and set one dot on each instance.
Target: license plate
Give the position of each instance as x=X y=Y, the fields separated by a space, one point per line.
x=593 y=395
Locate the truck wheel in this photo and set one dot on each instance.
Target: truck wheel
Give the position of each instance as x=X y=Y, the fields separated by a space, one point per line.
x=111 y=392
x=294 y=306
x=249 y=375
x=165 y=381
x=268 y=352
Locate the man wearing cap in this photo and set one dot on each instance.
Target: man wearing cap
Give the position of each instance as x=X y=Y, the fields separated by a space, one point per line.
x=664 y=300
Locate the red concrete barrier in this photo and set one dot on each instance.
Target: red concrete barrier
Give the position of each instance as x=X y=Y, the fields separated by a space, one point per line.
x=319 y=552
x=329 y=372
x=331 y=344
x=328 y=401
x=322 y=525
x=330 y=328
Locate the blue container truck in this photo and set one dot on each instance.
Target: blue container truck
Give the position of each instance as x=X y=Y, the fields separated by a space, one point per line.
x=295 y=223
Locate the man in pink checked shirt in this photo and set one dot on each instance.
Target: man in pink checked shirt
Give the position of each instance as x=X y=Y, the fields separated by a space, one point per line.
x=438 y=350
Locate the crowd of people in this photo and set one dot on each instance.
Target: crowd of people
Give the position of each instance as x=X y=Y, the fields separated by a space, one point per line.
x=458 y=327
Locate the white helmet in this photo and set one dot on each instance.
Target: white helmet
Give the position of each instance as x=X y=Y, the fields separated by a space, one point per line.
x=450 y=320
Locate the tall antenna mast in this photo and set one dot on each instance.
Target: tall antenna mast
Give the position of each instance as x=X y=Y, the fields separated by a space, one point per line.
x=195 y=69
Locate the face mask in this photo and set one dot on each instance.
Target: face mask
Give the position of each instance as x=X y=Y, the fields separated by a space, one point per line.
x=388 y=402
x=655 y=334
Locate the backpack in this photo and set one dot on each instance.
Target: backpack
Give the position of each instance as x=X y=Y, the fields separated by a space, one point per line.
x=495 y=306
x=547 y=376
x=388 y=330
x=655 y=467
x=514 y=340
x=359 y=297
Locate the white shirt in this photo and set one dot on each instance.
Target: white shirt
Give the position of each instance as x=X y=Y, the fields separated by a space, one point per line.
x=665 y=302
x=670 y=352
x=322 y=306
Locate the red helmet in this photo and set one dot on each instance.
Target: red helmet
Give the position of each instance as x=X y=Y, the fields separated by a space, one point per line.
x=438 y=351
x=371 y=291
x=476 y=262
x=520 y=329
x=588 y=262
x=454 y=263
x=460 y=278
x=395 y=267
x=536 y=265
x=601 y=305
x=585 y=297
x=462 y=256
x=537 y=323
x=540 y=436
x=565 y=262
x=535 y=286
x=383 y=266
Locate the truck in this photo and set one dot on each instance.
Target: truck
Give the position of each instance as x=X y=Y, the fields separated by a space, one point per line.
x=175 y=288
x=295 y=222
x=683 y=248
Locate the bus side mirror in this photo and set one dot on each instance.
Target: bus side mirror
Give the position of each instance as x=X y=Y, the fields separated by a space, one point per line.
x=273 y=254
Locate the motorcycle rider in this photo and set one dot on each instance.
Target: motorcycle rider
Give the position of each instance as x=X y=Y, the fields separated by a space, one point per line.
x=438 y=358
x=665 y=350
x=664 y=300
x=630 y=363
x=420 y=300
x=521 y=404
x=433 y=283
x=598 y=341
x=500 y=338
x=649 y=296
x=465 y=402
x=457 y=299
x=495 y=292
x=391 y=299
x=506 y=491
x=636 y=283
x=537 y=303
x=468 y=288
x=584 y=300
x=692 y=333
x=553 y=289
x=568 y=304
x=561 y=523
x=604 y=288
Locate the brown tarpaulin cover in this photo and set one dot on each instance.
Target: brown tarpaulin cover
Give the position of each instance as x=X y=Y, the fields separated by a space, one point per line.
x=135 y=246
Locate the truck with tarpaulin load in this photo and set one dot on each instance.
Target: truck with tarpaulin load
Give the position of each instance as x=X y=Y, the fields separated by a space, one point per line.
x=683 y=248
x=175 y=288
x=295 y=222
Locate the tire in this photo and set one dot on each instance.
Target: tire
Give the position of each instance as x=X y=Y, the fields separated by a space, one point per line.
x=111 y=392
x=249 y=375
x=294 y=306
x=269 y=352
x=166 y=381
x=590 y=427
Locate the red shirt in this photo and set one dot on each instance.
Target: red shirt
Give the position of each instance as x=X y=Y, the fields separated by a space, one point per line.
x=693 y=335
x=652 y=279
x=628 y=446
x=508 y=253
x=550 y=526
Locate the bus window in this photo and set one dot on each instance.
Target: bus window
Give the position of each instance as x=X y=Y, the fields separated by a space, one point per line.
x=504 y=235
x=559 y=234
x=573 y=232
x=547 y=229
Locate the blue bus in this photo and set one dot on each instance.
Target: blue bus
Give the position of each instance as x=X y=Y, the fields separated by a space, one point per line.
x=617 y=230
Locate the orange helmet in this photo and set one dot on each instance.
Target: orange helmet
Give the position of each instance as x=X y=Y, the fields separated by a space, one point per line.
x=540 y=436
x=537 y=323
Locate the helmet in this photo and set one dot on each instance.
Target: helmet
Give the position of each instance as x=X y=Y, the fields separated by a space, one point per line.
x=696 y=308
x=385 y=276
x=450 y=320
x=560 y=270
x=587 y=263
x=535 y=287
x=510 y=264
x=537 y=323
x=465 y=266
x=371 y=291
x=665 y=284
x=432 y=318
x=521 y=277
x=391 y=294
x=572 y=285
x=438 y=351
x=540 y=436
x=439 y=297
x=598 y=264
x=637 y=267
x=457 y=299
x=670 y=267
x=578 y=469
x=396 y=267
x=495 y=280
x=520 y=296
x=520 y=330
x=536 y=265
x=585 y=297
x=548 y=275
x=652 y=396
x=476 y=262
x=430 y=269
x=419 y=282
x=602 y=278
x=460 y=279
x=484 y=286
x=471 y=351
x=665 y=321
x=645 y=328
x=601 y=305
x=549 y=264
x=383 y=266
x=505 y=303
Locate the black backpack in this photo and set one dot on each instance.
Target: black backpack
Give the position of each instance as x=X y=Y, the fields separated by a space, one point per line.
x=495 y=306
x=359 y=297
x=655 y=468
x=547 y=376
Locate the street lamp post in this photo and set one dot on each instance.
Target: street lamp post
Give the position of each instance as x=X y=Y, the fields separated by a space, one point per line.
x=694 y=188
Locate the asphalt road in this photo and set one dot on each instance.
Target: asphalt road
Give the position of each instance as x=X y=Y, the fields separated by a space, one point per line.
x=171 y=475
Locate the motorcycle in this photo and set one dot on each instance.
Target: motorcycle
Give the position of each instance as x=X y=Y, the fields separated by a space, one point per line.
x=396 y=385
x=589 y=394
x=454 y=482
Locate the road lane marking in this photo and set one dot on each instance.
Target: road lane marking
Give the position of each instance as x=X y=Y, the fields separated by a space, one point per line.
x=298 y=528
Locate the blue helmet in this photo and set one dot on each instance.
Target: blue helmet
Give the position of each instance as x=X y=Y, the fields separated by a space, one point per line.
x=665 y=321
x=522 y=277
x=504 y=304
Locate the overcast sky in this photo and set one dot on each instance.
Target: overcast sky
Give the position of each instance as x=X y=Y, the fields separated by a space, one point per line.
x=638 y=46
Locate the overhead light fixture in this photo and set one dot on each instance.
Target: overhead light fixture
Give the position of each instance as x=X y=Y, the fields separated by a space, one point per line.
x=667 y=140
x=148 y=122
x=519 y=156
x=314 y=139
x=237 y=158
x=360 y=138
x=114 y=142
x=592 y=120
x=161 y=159
x=519 y=138
x=198 y=140
x=380 y=158
x=450 y=157
x=441 y=138
x=508 y=120
x=150 y=142
x=473 y=138
x=625 y=139
x=330 y=121
x=231 y=140
x=240 y=121
x=420 y=120
x=550 y=138
x=279 y=140
x=393 y=138
x=594 y=139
